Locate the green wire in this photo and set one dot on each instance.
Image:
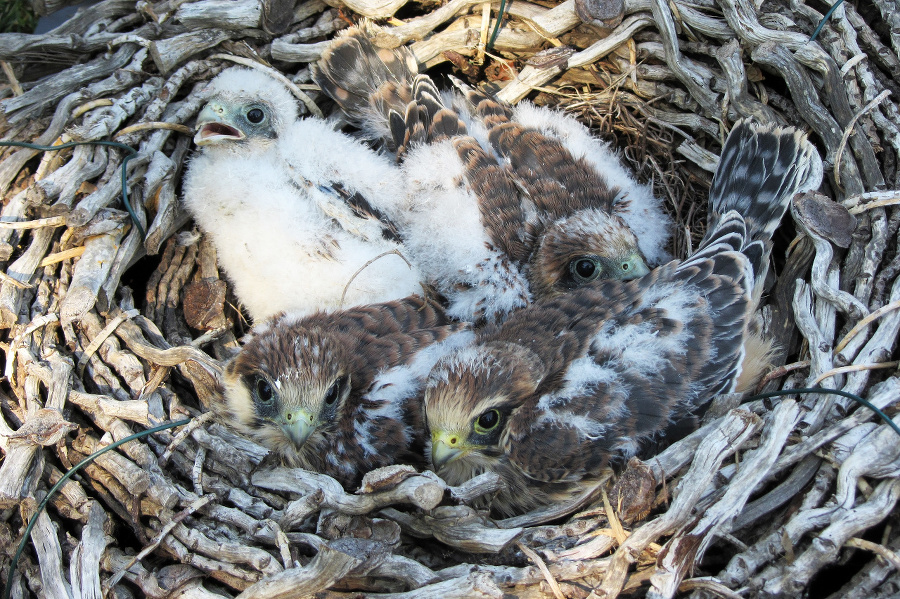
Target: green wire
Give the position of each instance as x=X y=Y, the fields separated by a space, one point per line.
x=823 y=391
x=490 y=45
x=112 y=144
x=7 y=591
x=828 y=14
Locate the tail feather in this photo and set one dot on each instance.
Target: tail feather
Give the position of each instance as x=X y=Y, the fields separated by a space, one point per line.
x=761 y=169
x=367 y=82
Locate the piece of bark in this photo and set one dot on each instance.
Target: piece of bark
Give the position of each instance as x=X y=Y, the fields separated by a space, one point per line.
x=171 y=52
x=31 y=103
x=90 y=273
x=22 y=270
x=688 y=546
x=457 y=526
x=722 y=440
x=85 y=569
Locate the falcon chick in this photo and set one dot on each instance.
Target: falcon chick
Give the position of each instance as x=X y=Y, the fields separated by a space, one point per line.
x=340 y=393
x=570 y=384
x=538 y=205
x=291 y=204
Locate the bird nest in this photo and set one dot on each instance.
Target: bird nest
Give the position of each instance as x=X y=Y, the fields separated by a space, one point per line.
x=107 y=332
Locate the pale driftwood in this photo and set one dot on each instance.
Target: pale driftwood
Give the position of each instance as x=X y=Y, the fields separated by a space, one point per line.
x=739 y=98
x=22 y=270
x=128 y=473
x=531 y=77
x=845 y=523
x=32 y=102
x=424 y=491
x=15 y=468
x=169 y=53
x=842 y=300
x=374 y=9
x=720 y=442
x=681 y=551
x=846 y=70
x=458 y=526
x=685 y=69
x=49 y=553
x=90 y=273
x=13 y=211
x=483 y=484
x=392 y=37
x=85 y=569
x=125 y=363
x=815 y=113
x=298 y=52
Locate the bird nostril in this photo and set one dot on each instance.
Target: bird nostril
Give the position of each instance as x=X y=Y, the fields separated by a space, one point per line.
x=452 y=440
x=289 y=416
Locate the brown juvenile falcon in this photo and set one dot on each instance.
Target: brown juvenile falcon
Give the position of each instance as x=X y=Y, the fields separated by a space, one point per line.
x=538 y=206
x=574 y=382
x=340 y=393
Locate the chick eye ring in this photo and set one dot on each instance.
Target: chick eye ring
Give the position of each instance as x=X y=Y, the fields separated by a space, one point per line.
x=487 y=422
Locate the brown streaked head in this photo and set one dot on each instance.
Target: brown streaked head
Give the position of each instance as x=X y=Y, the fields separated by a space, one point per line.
x=469 y=398
x=587 y=246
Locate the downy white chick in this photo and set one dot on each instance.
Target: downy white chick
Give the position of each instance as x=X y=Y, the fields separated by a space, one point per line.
x=291 y=204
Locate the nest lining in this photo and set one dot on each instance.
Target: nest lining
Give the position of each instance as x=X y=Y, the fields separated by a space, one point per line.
x=107 y=334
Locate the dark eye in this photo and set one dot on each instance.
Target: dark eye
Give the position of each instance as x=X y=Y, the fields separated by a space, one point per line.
x=584 y=269
x=625 y=267
x=334 y=391
x=487 y=422
x=255 y=116
x=264 y=391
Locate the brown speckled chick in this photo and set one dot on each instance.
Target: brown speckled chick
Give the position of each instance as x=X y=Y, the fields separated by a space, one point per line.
x=577 y=381
x=539 y=205
x=340 y=393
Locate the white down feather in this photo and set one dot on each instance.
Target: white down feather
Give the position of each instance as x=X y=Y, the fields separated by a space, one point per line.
x=284 y=243
x=443 y=232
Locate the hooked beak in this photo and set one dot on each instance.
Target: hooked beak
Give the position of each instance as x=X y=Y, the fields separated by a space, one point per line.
x=212 y=127
x=298 y=425
x=640 y=269
x=445 y=447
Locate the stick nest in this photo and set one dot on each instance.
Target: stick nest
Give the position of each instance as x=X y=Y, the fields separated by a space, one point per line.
x=106 y=334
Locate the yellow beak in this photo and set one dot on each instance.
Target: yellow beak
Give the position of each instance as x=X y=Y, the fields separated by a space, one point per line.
x=298 y=425
x=446 y=447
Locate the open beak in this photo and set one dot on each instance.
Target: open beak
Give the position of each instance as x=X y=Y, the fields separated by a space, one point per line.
x=298 y=425
x=212 y=126
x=445 y=447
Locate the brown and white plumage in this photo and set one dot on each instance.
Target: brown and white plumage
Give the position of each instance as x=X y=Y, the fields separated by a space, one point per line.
x=570 y=384
x=339 y=393
x=530 y=191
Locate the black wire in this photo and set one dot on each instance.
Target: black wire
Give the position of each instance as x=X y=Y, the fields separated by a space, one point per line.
x=500 y=15
x=112 y=144
x=7 y=591
x=823 y=391
x=828 y=14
